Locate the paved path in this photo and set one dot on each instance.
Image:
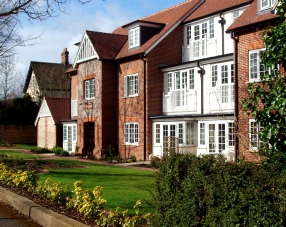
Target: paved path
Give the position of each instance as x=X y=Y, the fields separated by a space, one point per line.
x=9 y=217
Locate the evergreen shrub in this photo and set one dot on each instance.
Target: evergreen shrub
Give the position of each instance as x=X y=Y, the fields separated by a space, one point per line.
x=207 y=191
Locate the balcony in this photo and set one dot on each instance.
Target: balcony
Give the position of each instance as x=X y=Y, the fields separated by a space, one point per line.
x=221 y=98
x=180 y=101
x=199 y=49
x=74 y=108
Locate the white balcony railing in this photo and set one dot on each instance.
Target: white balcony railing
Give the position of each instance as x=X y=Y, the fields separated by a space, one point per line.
x=221 y=98
x=180 y=101
x=74 y=108
x=199 y=49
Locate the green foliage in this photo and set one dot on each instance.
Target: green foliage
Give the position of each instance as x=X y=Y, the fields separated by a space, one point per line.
x=122 y=218
x=19 y=178
x=88 y=202
x=54 y=191
x=267 y=99
x=208 y=191
x=21 y=111
x=60 y=151
x=108 y=153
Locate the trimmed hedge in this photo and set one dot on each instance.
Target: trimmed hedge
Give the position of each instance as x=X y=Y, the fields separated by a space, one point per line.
x=207 y=191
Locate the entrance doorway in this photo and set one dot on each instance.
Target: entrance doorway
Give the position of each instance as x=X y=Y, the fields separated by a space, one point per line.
x=88 y=140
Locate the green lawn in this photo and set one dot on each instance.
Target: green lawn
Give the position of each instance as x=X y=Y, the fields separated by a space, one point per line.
x=122 y=187
x=18 y=154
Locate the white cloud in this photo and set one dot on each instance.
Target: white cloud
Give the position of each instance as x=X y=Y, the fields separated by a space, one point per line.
x=67 y=29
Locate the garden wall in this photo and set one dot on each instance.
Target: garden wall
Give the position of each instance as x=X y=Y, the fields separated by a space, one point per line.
x=18 y=134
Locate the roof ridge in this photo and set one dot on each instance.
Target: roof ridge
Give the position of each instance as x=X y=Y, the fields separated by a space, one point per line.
x=107 y=33
x=163 y=10
x=42 y=62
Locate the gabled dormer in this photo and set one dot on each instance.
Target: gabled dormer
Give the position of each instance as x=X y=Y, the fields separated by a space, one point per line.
x=85 y=51
x=266 y=4
x=141 y=31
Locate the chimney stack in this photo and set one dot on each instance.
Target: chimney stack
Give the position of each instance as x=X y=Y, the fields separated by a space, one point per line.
x=65 y=57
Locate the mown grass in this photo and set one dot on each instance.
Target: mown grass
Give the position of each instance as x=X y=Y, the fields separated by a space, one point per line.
x=24 y=146
x=17 y=154
x=122 y=187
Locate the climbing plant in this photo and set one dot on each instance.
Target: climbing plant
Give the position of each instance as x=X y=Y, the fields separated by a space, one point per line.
x=267 y=98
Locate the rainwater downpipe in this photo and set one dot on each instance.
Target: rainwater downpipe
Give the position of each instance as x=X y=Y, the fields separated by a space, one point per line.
x=145 y=108
x=69 y=77
x=202 y=73
x=222 y=23
x=236 y=94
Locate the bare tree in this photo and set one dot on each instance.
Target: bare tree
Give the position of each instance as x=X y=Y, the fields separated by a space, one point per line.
x=11 y=81
x=10 y=10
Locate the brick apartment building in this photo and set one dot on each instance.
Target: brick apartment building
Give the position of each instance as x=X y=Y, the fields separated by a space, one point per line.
x=168 y=75
x=247 y=31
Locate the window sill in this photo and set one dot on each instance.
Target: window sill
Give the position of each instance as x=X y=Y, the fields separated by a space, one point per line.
x=131 y=96
x=131 y=144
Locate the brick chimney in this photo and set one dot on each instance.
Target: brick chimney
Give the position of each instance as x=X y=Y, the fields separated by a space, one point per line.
x=65 y=57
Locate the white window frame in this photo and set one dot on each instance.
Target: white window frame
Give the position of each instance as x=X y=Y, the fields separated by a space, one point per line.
x=89 y=89
x=254 y=128
x=218 y=135
x=131 y=85
x=222 y=79
x=70 y=136
x=131 y=133
x=235 y=15
x=255 y=64
x=198 y=35
x=134 y=37
x=267 y=4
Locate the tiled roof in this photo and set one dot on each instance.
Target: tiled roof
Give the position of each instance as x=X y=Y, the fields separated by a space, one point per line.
x=251 y=17
x=59 y=107
x=106 y=45
x=210 y=7
x=169 y=17
x=49 y=76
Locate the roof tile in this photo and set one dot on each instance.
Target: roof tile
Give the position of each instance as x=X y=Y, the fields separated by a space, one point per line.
x=59 y=107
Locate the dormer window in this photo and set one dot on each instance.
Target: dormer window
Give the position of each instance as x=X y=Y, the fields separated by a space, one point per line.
x=266 y=4
x=134 y=37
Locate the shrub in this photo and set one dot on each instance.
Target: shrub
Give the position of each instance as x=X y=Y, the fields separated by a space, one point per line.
x=122 y=218
x=193 y=191
x=88 y=202
x=19 y=178
x=108 y=153
x=59 y=151
x=54 y=191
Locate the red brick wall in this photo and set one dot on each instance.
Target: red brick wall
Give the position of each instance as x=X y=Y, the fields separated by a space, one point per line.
x=131 y=109
x=248 y=40
x=109 y=105
x=167 y=52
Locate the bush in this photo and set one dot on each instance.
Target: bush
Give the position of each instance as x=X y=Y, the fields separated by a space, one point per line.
x=54 y=191
x=88 y=202
x=207 y=191
x=19 y=178
x=59 y=151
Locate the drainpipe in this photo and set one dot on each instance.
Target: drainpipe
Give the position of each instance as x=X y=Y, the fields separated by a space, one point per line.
x=145 y=109
x=201 y=72
x=69 y=77
x=236 y=94
x=222 y=23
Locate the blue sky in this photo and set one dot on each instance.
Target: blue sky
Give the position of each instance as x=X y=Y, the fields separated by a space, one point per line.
x=67 y=29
